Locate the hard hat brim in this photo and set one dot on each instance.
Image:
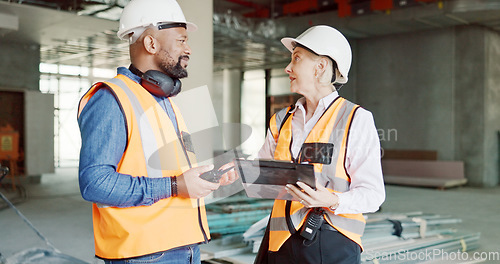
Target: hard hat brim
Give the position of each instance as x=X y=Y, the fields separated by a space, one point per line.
x=288 y=43
x=122 y=34
x=191 y=27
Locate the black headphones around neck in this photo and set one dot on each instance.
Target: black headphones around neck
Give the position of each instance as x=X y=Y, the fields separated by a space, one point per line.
x=157 y=82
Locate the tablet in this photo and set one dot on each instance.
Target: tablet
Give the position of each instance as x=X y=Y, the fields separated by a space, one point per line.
x=267 y=178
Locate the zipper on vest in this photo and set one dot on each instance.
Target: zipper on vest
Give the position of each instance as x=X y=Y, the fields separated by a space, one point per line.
x=201 y=222
x=175 y=124
x=184 y=149
x=178 y=132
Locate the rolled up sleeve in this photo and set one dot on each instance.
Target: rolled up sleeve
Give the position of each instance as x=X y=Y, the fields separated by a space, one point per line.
x=104 y=139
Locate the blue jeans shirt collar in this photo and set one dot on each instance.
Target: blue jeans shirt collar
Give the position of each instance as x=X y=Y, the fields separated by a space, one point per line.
x=129 y=74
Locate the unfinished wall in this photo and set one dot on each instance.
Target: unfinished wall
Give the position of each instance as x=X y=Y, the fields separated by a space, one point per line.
x=19 y=67
x=406 y=80
x=436 y=90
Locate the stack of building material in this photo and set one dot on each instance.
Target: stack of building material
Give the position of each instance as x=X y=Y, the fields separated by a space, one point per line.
x=414 y=238
x=236 y=214
x=228 y=218
x=237 y=222
x=389 y=238
x=400 y=238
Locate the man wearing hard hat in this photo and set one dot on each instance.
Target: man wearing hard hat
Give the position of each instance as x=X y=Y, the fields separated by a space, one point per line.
x=137 y=164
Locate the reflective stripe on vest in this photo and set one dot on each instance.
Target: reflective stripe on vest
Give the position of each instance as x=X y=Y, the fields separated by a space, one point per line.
x=168 y=223
x=276 y=121
x=332 y=127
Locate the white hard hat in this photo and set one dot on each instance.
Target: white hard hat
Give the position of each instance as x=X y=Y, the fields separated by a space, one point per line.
x=140 y=14
x=326 y=41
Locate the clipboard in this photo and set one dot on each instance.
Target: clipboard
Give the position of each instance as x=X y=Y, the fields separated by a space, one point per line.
x=267 y=178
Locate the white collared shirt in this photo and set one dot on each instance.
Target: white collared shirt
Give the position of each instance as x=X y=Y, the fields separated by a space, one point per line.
x=363 y=164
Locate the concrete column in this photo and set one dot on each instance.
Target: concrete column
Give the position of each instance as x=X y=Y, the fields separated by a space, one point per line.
x=492 y=109
x=231 y=95
x=200 y=67
x=477 y=111
x=469 y=101
x=198 y=112
x=39 y=133
x=231 y=102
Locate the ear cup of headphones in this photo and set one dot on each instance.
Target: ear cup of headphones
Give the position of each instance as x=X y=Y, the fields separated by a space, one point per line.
x=177 y=87
x=160 y=84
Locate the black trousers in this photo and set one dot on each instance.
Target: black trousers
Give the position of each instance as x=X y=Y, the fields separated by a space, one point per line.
x=328 y=247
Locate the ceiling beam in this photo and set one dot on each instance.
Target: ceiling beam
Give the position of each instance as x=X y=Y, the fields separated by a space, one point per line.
x=88 y=53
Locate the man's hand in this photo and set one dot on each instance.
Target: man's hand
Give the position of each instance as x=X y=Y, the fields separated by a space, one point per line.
x=310 y=198
x=230 y=176
x=190 y=185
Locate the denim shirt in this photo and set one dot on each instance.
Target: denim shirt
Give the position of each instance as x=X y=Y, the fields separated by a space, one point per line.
x=104 y=139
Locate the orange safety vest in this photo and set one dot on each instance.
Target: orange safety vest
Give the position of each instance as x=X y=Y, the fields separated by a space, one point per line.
x=332 y=127
x=154 y=149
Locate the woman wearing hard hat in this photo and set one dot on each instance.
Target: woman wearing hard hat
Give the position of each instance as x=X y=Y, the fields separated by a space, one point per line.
x=325 y=224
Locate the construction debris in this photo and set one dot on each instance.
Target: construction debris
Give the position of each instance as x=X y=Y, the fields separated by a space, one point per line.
x=236 y=214
x=413 y=237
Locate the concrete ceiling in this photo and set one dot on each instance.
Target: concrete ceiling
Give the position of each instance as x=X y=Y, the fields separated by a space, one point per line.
x=246 y=32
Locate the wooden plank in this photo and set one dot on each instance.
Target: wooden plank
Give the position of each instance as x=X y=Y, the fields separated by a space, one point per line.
x=424 y=182
x=441 y=174
x=424 y=169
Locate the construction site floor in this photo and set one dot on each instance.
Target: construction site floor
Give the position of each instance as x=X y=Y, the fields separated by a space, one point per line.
x=55 y=207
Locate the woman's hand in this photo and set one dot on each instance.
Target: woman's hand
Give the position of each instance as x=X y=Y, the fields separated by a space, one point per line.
x=310 y=198
x=230 y=176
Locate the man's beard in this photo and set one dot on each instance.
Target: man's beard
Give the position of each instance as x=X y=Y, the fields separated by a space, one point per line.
x=174 y=71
